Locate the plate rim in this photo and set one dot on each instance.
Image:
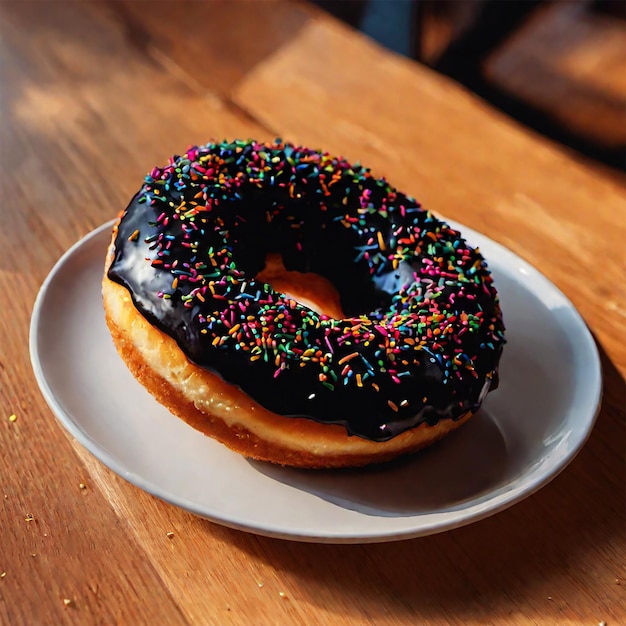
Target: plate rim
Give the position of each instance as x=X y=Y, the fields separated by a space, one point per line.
x=471 y=511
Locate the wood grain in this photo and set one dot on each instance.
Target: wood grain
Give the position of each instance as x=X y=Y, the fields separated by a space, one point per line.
x=93 y=93
x=214 y=43
x=73 y=149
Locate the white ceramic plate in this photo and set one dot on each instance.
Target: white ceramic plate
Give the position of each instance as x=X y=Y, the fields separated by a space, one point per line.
x=527 y=431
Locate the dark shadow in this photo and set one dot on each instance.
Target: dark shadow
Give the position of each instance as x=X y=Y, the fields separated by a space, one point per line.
x=467 y=463
x=517 y=550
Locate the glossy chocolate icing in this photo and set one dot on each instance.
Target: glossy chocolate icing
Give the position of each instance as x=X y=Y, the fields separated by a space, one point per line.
x=423 y=333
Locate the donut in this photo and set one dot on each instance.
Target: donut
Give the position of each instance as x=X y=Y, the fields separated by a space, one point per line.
x=299 y=309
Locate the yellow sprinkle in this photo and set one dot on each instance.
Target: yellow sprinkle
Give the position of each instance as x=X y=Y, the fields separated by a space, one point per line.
x=170 y=534
x=359 y=381
x=3 y=574
x=381 y=241
x=82 y=486
x=67 y=601
x=29 y=518
x=12 y=417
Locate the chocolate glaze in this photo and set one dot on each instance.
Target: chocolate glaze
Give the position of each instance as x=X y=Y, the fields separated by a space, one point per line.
x=423 y=333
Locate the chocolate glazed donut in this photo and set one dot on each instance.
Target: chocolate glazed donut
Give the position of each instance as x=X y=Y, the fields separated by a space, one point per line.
x=422 y=332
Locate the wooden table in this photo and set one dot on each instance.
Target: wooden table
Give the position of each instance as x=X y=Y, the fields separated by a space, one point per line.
x=95 y=94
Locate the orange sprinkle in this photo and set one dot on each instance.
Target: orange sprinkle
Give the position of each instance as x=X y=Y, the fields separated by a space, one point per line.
x=347 y=358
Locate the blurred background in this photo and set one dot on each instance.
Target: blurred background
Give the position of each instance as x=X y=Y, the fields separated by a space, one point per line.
x=557 y=66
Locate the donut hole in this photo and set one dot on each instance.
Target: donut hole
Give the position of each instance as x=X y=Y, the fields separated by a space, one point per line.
x=292 y=242
x=308 y=288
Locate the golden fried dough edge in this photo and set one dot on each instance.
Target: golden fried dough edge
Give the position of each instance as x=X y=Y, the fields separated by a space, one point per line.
x=238 y=422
